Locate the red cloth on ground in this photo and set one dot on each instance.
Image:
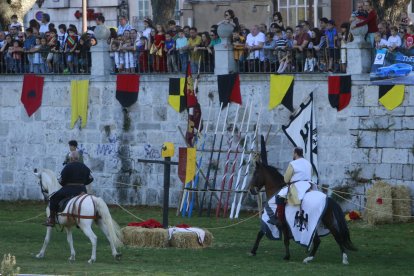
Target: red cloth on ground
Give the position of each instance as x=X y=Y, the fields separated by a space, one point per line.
x=183 y=225
x=150 y=223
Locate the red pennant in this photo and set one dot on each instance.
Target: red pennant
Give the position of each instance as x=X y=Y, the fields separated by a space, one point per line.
x=379 y=201
x=189 y=89
x=127 y=87
x=32 y=93
x=339 y=90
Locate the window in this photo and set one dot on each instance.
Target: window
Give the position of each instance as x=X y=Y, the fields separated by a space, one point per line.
x=293 y=11
x=143 y=9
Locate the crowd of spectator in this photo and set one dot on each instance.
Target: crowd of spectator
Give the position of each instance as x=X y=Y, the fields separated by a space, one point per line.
x=43 y=48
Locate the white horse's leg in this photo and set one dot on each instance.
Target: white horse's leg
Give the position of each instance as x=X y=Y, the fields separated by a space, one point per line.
x=345 y=259
x=104 y=229
x=45 y=243
x=308 y=259
x=85 y=225
x=70 y=241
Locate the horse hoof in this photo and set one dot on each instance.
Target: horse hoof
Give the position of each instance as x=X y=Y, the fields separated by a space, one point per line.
x=40 y=256
x=71 y=259
x=118 y=256
x=286 y=258
x=91 y=261
x=345 y=259
x=307 y=260
x=252 y=254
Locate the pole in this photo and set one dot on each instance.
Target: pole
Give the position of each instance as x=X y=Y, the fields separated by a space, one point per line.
x=237 y=186
x=167 y=172
x=248 y=163
x=200 y=212
x=233 y=166
x=226 y=166
x=84 y=16
x=218 y=161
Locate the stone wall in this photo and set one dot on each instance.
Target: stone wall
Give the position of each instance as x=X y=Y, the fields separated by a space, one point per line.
x=362 y=141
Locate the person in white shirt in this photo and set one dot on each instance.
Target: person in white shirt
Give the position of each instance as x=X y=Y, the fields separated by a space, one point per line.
x=123 y=25
x=254 y=44
x=14 y=23
x=44 y=25
x=394 y=41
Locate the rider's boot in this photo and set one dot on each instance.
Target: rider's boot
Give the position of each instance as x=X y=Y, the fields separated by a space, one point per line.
x=280 y=211
x=51 y=221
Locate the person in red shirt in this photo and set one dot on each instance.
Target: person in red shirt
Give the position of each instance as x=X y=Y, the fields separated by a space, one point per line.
x=371 y=21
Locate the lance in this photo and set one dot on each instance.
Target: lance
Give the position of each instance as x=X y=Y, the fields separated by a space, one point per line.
x=200 y=160
x=200 y=212
x=237 y=186
x=248 y=164
x=233 y=167
x=226 y=166
x=218 y=161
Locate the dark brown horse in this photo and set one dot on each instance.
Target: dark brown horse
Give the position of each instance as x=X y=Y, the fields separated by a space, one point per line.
x=333 y=218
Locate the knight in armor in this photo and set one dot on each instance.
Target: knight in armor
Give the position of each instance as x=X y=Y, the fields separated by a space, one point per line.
x=73 y=178
x=297 y=177
x=73 y=146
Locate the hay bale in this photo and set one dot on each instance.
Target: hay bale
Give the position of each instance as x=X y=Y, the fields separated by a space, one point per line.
x=190 y=240
x=145 y=237
x=401 y=203
x=379 y=204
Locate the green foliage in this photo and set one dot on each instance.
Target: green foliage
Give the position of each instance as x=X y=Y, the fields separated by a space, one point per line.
x=383 y=250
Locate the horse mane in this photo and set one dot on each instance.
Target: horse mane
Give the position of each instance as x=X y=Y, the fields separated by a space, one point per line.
x=50 y=177
x=274 y=172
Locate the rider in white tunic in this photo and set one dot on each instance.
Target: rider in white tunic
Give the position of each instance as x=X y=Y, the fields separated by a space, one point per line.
x=297 y=176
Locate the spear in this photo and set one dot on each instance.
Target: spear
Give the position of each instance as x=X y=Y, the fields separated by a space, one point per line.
x=226 y=166
x=200 y=160
x=217 y=162
x=200 y=212
x=233 y=167
x=248 y=163
x=237 y=186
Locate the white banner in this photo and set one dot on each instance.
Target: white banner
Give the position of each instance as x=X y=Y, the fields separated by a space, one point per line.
x=302 y=132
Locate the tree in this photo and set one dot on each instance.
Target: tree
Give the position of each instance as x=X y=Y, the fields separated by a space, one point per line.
x=162 y=11
x=10 y=7
x=390 y=10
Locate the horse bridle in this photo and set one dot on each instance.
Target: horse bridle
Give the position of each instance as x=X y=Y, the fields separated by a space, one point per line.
x=44 y=191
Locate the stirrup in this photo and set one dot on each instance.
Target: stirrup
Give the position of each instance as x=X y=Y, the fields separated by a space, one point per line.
x=48 y=223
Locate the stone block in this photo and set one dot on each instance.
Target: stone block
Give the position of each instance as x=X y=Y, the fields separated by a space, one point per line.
x=159 y=114
x=404 y=139
x=152 y=196
x=367 y=139
x=383 y=171
x=370 y=95
x=7 y=177
x=408 y=123
x=4 y=129
x=360 y=111
x=397 y=156
x=374 y=155
x=409 y=110
x=408 y=172
x=386 y=139
x=395 y=123
x=396 y=171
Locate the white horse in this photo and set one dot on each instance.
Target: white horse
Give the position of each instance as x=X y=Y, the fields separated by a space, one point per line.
x=81 y=210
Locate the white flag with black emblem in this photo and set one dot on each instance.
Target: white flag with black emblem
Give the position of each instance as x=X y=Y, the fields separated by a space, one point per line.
x=302 y=132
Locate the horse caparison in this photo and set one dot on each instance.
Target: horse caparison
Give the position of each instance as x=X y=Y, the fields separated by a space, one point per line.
x=81 y=212
x=333 y=219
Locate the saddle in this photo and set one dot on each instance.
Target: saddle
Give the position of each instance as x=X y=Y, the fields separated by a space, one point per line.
x=73 y=212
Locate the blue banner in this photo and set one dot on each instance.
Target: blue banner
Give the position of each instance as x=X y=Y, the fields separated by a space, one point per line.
x=393 y=67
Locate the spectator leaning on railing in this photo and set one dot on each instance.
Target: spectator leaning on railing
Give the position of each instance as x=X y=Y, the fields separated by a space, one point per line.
x=254 y=47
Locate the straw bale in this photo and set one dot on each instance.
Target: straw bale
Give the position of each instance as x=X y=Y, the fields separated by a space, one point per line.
x=145 y=237
x=401 y=204
x=379 y=204
x=190 y=240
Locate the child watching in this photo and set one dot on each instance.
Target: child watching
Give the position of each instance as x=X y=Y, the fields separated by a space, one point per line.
x=170 y=50
x=181 y=46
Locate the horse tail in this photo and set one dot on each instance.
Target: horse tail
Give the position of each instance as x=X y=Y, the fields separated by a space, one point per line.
x=114 y=231
x=342 y=225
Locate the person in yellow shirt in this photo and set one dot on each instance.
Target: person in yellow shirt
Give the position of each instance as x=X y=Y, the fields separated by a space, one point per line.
x=194 y=41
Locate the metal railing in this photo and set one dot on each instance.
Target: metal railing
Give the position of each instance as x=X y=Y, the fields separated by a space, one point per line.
x=42 y=62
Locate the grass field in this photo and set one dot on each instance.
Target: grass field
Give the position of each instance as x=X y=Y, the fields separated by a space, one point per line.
x=383 y=250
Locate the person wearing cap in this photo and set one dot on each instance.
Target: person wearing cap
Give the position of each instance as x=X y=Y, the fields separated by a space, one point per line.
x=73 y=146
x=297 y=177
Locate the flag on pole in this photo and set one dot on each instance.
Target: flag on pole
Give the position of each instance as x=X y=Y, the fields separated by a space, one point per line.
x=189 y=88
x=229 y=89
x=186 y=164
x=32 y=92
x=281 y=91
x=127 y=87
x=79 y=100
x=391 y=96
x=177 y=98
x=193 y=122
x=339 y=90
x=302 y=132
